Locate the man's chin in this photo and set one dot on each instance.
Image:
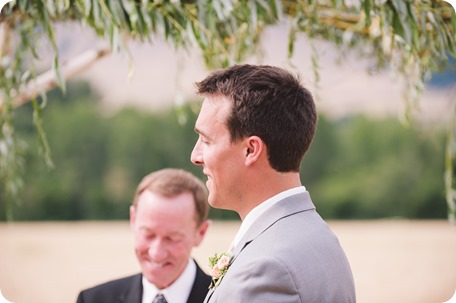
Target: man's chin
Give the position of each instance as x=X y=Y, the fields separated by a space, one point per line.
x=156 y=271
x=216 y=204
x=212 y=200
x=160 y=281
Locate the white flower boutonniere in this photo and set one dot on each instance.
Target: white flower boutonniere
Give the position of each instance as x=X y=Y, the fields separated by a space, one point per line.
x=219 y=266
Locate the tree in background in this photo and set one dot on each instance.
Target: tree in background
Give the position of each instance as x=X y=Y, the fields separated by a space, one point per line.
x=356 y=168
x=375 y=168
x=414 y=38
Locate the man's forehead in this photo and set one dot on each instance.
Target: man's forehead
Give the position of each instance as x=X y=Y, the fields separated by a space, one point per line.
x=215 y=107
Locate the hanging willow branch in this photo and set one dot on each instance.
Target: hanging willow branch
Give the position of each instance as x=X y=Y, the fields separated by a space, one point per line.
x=414 y=38
x=47 y=80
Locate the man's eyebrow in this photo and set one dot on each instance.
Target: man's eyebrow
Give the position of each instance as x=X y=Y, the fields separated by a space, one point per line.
x=145 y=228
x=199 y=131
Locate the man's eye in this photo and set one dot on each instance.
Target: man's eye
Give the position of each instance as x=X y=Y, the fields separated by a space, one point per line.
x=174 y=239
x=147 y=235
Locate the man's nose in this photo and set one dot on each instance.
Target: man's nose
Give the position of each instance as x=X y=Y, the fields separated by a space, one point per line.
x=157 y=251
x=196 y=155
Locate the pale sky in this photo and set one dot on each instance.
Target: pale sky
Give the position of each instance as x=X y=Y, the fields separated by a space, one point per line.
x=162 y=76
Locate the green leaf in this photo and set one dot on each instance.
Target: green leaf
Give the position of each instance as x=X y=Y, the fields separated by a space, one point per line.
x=96 y=18
x=57 y=71
x=291 y=40
x=413 y=24
x=23 y=4
x=87 y=7
x=43 y=141
x=114 y=11
x=50 y=5
x=253 y=14
x=367 y=7
x=397 y=23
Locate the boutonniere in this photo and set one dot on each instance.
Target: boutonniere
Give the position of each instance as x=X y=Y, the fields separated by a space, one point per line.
x=219 y=265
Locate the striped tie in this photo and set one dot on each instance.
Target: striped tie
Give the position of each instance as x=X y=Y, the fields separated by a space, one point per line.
x=159 y=298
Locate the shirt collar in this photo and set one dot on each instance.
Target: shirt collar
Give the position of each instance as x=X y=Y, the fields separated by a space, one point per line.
x=177 y=292
x=256 y=212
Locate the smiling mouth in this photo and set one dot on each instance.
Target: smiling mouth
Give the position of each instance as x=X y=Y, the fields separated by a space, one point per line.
x=158 y=265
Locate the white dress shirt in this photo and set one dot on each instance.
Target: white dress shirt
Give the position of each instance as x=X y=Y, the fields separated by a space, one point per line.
x=255 y=213
x=177 y=292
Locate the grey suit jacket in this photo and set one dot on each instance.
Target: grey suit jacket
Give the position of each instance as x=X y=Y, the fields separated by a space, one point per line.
x=289 y=255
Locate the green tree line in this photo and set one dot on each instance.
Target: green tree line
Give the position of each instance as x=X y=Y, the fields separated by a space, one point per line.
x=357 y=167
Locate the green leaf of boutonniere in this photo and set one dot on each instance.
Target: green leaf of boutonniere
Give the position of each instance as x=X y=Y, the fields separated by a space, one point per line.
x=219 y=265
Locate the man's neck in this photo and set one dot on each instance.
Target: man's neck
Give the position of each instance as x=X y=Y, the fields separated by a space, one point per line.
x=270 y=186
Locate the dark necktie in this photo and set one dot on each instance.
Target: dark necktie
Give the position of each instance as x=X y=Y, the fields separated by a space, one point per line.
x=159 y=298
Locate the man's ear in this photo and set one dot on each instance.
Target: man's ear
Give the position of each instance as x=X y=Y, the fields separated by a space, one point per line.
x=202 y=229
x=132 y=216
x=253 y=150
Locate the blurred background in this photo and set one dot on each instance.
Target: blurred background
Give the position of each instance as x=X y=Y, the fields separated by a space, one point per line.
x=377 y=179
x=109 y=130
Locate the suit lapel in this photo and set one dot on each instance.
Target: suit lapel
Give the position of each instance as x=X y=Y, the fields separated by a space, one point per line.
x=291 y=205
x=133 y=294
x=286 y=207
x=209 y=295
x=200 y=286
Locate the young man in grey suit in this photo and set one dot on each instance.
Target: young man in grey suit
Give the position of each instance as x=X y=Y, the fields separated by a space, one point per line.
x=254 y=127
x=168 y=218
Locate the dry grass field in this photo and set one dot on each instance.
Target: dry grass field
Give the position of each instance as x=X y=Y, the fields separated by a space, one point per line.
x=392 y=261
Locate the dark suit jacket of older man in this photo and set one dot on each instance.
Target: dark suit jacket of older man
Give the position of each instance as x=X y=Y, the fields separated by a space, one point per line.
x=129 y=290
